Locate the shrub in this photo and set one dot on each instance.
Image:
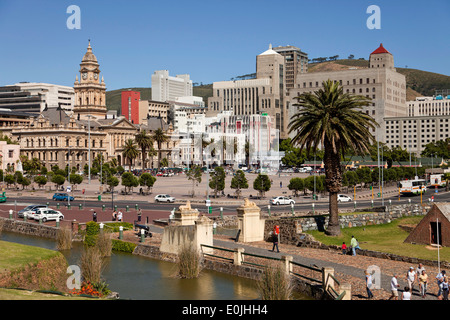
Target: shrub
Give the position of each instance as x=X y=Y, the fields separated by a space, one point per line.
x=189 y=263
x=123 y=246
x=275 y=283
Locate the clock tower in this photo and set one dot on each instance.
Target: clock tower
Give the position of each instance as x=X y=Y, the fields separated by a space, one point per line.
x=89 y=90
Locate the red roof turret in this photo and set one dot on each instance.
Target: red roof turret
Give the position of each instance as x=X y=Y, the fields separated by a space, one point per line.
x=381 y=49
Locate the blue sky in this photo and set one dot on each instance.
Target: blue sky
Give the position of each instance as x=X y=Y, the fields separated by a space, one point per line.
x=210 y=40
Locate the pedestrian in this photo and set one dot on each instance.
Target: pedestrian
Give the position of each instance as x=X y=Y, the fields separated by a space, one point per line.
x=114 y=215
x=406 y=295
x=94 y=216
x=394 y=288
x=423 y=280
x=369 y=285
x=119 y=216
x=354 y=245
x=344 y=248
x=275 y=237
x=411 y=278
x=419 y=269
x=139 y=215
x=281 y=184
x=440 y=280
x=445 y=288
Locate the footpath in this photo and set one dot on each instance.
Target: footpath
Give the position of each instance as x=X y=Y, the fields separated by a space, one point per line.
x=347 y=268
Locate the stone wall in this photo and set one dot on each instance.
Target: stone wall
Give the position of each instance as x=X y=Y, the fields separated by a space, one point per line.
x=28 y=228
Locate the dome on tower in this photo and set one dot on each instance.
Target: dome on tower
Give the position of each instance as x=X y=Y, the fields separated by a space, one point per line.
x=89 y=56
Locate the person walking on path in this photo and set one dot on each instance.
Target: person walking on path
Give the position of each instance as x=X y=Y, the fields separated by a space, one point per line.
x=440 y=280
x=344 y=248
x=423 y=281
x=445 y=288
x=411 y=278
x=139 y=215
x=119 y=216
x=369 y=285
x=94 y=216
x=114 y=215
x=354 y=244
x=406 y=295
x=275 y=236
x=394 y=288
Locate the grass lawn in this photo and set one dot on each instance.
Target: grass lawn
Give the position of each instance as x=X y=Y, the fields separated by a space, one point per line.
x=14 y=255
x=14 y=294
x=385 y=238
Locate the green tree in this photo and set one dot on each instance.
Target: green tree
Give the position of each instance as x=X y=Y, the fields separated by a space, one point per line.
x=194 y=174
x=40 y=180
x=335 y=121
x=296 y=185
x=262 y=184
x=130 y=151
x=144 y=142
x=217 y=180
x=58 y=180
x=76 y=179
x=9 y=180
x=129 y=181
x=147 y=180
x=239 y=182
x=160 y=137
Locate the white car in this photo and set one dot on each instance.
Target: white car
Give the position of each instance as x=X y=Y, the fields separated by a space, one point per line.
x=47 y=214
x=281 y=200
x=343 y=198
x=164 y=198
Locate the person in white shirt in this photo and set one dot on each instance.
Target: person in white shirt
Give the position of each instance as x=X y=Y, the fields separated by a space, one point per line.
x=394 y=288
x=406 y=295
x=411 y=278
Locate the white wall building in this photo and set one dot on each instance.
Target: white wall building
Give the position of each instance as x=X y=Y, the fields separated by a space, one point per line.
x=168 y=88
x=46 y=95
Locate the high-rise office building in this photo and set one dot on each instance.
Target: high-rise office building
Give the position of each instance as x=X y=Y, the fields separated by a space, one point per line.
x=130 y=105
x=168 y=88
x=296 y=62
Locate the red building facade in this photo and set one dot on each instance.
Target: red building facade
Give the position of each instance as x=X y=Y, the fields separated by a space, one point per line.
x=130 y=105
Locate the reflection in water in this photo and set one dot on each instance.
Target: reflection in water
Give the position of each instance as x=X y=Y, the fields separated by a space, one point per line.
x=141 y=278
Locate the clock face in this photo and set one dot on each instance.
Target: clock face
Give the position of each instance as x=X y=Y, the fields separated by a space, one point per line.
x=84 y=76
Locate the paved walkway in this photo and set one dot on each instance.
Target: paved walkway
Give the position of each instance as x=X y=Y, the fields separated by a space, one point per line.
x=348 y=269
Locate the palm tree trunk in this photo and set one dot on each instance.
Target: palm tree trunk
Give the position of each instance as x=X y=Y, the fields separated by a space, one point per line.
x=333 y=174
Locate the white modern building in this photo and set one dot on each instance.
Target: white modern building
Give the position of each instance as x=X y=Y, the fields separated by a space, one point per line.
x=168 y=88
x=437 y=105
x=35 y=97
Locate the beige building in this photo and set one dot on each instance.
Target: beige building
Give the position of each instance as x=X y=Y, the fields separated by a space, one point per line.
x=151 y=108
x=379 y=81
x=9 y=156
x=263 y=95
x=58 y=138
x=296 y=62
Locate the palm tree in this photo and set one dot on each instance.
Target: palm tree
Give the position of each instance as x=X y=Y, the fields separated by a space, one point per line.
x=333 y=120
x=160 y=137
x=130 y=151
x=144 y=141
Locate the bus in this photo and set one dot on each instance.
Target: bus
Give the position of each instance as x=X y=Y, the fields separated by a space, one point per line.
x=413 y=187
x=437 y=180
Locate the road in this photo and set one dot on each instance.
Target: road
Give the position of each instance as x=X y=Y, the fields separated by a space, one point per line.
x=302 y=204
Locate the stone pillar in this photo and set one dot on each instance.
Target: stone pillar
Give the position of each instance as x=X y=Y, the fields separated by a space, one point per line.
x=327 y=281
x=185 y=215
x=347 y=287
x=250 y=222
x=237 y=258
x=287 y=263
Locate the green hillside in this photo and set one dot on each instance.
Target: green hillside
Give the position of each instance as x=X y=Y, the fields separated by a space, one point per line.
x=114 y=100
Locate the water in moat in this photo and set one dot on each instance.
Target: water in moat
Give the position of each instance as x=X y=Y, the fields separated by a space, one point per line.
x=140 y=278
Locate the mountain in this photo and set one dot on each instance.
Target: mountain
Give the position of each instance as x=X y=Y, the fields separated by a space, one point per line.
x=114 y=99
x=419 y=83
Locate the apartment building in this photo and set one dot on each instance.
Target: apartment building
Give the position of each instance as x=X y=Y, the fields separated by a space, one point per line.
x=168 y=88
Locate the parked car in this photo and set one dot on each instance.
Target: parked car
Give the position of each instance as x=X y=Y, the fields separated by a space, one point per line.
x=168 y=174
x=3 y=197
x=281 y=200
x=47 y=214
x=164 y=198
x=31 y=207
x=343 y=198
x=62 y=197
